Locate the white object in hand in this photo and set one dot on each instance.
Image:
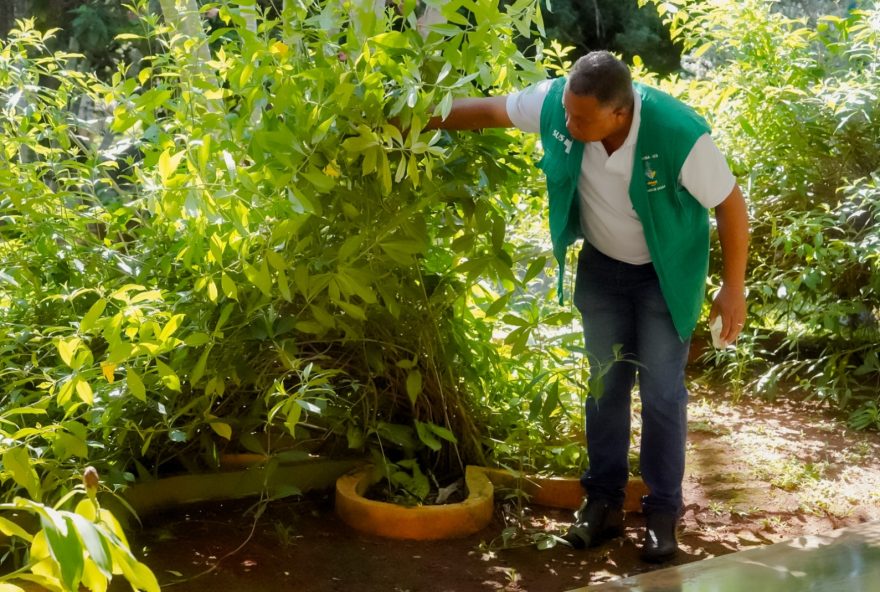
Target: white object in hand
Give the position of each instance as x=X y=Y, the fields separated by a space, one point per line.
x=715 y=330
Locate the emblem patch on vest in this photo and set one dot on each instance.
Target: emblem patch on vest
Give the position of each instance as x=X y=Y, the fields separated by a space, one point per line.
x=651 y=174
x=558 y=135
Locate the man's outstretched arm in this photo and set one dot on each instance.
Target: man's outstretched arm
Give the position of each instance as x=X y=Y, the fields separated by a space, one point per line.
x=474 y=113
x=733 y=233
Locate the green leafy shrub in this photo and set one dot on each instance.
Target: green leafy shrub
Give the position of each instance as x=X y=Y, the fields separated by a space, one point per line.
x=213 y=249
x=794 y=103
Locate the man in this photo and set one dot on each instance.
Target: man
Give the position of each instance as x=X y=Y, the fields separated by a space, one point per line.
x=634 y=172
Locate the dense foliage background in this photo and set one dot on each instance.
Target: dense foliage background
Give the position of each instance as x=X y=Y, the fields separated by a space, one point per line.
x=213 y=240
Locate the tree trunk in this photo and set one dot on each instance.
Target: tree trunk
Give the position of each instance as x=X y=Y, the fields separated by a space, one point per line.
x=183 y=15
x=431 y=16
x=249 y=13
x=10 y=10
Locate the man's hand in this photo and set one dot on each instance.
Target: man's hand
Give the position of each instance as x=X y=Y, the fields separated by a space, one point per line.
x=733 y=233
x=730 y=305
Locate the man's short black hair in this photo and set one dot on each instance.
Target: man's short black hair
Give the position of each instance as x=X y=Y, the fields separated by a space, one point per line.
x=599 y=74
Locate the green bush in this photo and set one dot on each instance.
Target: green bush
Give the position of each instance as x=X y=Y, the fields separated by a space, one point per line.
x=794 y=104
x=249 y=243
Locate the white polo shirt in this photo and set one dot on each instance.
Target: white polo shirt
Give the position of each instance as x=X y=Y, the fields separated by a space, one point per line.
x=608 y=219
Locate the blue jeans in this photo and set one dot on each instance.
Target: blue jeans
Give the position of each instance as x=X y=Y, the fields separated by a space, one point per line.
x=624 y=310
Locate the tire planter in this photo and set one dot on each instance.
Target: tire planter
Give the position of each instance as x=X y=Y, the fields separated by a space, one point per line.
x=416 y=523
x=562 y=492
x=462 y=519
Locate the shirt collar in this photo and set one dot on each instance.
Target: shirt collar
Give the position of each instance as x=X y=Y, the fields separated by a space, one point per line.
x=633 y=134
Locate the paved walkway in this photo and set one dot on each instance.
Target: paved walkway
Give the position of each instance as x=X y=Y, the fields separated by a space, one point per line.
x=845 y=560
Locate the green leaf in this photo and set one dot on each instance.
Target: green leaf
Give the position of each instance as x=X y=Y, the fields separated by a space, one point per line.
x=414 y=385
x=68 y=445
x=119 y=352
x=259 y=277
x=353 y=310
x=229 y=287
x=96 y=310
x=18 y=462
x=67 y=348
x=170 y=327
x=10 y=528
x=499 y=305
x=323 y=183
x=398 y=434
x=168 y=164
x=65 y=546
x=276 y=260
x=224 y=430
x=95 y=544
x=135 y=384
x=197 y=339
x=84 y=390
x=402 y=251
x=443 y=432
x=536 y=267
x=168 y=376
x=427 y=436
x=349 y=247
x=216 y=245
x=284 y=286
x=199 y=369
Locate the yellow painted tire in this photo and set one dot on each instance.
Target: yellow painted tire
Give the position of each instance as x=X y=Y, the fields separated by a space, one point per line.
x=424 y=523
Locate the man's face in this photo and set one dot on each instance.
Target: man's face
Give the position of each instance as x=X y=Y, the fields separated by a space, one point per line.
x=588 y=120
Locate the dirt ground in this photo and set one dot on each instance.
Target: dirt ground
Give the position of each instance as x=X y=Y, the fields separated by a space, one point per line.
x=758 y=473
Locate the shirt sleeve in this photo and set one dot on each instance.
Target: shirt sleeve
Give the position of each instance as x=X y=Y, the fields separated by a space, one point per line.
x=705 y=173
x=524 y=107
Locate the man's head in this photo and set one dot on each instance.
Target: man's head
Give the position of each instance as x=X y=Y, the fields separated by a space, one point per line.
x=598 y=98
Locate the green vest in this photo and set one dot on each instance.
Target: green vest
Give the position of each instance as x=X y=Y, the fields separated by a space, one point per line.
x=676 y=225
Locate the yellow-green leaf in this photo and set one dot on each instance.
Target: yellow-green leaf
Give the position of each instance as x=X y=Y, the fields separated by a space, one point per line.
x=229 y=287
x=18 y=462
x=414 y=385
x=171 y=326
x=168 y=376
x=96 y=310
x=10 y=528
x=259 y=277
x=276 y=260
x=135 y=384
x=224 y=430
x=212 y=291
x=67 y=348
x=84 y=390
x=199 y=368
x=168 y=164
x=284 y=285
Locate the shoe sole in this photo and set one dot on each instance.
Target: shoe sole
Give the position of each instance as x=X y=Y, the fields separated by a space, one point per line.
x=579 y=542
x=659 y=558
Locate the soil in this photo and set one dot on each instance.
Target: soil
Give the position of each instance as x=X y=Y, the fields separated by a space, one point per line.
x=758 y=473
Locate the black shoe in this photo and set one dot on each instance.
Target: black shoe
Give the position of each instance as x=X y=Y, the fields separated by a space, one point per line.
x=660 y=543
x=594 y=523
